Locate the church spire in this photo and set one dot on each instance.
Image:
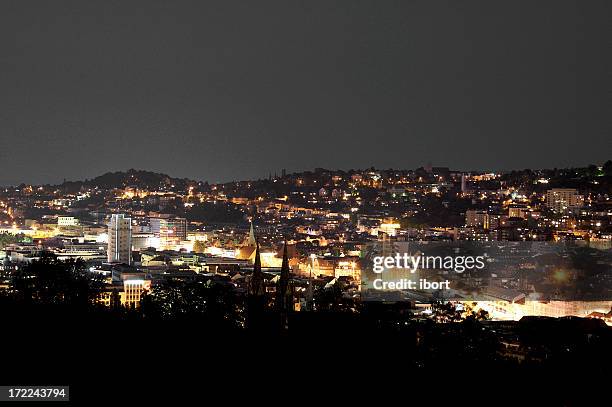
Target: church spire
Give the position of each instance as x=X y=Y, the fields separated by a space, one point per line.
x=284 y=298
x=256 y=298
x=256 y=284
x=251 y=241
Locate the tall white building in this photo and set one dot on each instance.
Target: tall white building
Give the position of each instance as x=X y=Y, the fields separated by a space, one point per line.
x=120 y=239
x=562 y=199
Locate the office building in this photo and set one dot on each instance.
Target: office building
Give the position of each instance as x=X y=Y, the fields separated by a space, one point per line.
x=120 y=239
x=562 y=199
x=171 y=231
x=477 y=218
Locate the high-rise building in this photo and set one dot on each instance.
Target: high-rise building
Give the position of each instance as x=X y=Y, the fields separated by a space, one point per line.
x=171 y=231
x=477 y=218
x=562 y=199
x=463 y=183
x=120 y=239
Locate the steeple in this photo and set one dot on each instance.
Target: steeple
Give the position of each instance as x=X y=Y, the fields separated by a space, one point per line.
x=251 y=240
x=284 y=298
x=256 y=298
x=247 y=248
x=256 y=284
x=283 y=283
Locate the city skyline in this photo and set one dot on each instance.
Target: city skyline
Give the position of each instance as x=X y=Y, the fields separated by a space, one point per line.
x=222 y=91
x=138 y=229
x=291 y=195
x=278 y=173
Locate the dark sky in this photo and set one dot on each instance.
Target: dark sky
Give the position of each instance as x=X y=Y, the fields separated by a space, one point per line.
x=223 y=90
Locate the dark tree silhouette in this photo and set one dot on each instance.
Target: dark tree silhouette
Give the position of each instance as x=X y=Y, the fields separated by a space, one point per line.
x=205 y=301
x=52 y=281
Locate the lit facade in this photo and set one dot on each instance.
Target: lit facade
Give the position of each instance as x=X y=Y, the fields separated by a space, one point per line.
x=120 y=239
x=476 y=218
x=562 y=199
x=171 y=231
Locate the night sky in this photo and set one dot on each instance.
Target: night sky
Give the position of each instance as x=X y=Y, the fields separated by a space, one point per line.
x=225 y=90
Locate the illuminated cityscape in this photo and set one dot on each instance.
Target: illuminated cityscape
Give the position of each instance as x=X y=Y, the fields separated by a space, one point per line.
x=138 y=234
x=203 y=201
